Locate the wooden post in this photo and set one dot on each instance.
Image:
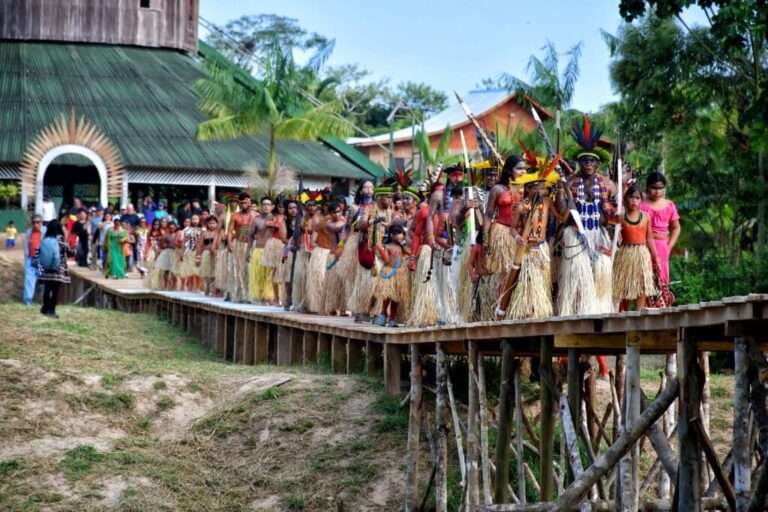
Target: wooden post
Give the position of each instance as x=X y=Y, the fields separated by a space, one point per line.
x=249 y=345
x=283 y=345
x=324 y=349
x=354 y=356
x=392 y=369
x=441 y=476
x=688 y=492
x=230 y=337
x=238 y=355
x=309 y=349
x=339 y=354
x=628 y=468
x=742 y=463
x=590 y=395
x=221 y=334
x=521 y=466
x=668 y=421
x=272 y=345
x=574 y=393
x=504 y=429
x=261 y=341
x=547 y=441
x=414 y=418
x=473 y=490
x=707 y=473
x=296 y=345
x=373 y=358
x=456 y=423
x=485 y=462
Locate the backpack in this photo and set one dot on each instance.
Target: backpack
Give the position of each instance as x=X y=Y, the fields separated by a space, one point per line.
x=49 y=254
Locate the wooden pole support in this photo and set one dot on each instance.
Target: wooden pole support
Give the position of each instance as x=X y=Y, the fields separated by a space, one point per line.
x=441 y=462
x=414 y=429
x=688 y=492
x=472 y=494
x=392 y=369
x=547 y=441
x=504 y=428
x=742 y=464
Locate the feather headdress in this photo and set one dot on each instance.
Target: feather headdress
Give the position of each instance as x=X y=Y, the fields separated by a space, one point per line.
x=586 y=136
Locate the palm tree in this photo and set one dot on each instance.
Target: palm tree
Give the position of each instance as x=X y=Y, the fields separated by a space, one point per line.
x=548 y=86
x=441 y=154
x=277 y=102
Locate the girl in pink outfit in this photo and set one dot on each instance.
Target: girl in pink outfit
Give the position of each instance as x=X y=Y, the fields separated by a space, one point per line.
x=665 y=221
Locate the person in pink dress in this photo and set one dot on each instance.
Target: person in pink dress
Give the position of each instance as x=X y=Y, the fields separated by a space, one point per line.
x=665 y=221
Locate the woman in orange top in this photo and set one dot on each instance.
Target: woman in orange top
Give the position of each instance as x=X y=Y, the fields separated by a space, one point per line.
x=502 y=199
x=632 y=269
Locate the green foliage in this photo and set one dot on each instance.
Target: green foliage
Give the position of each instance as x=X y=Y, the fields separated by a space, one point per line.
x=712 y=277
x=8 y=191
x=9 y=466
x=395 y=417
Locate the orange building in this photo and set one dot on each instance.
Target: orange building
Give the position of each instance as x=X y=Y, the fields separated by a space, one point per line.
x=496 y=110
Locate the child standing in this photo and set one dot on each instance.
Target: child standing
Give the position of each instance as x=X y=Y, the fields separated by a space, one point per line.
x=632 y=267
x=206 y=254
x=392 y=286
x=10 y=235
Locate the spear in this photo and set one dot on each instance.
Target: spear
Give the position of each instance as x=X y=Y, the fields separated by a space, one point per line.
x=619 y=178
x=470 y=191
x=476 y=124
x=551 y=151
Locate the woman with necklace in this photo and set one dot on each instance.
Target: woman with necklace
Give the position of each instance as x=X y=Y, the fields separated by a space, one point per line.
x=632 y=267
x=499 y=244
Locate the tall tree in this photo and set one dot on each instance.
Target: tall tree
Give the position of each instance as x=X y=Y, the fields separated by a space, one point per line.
x=276 y=103
x=247 y=38
x=736 y=47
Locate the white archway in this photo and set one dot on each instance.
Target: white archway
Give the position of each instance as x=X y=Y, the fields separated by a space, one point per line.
x=56 y=152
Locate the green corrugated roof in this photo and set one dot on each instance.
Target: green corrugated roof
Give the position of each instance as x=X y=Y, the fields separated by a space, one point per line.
x=143 y=100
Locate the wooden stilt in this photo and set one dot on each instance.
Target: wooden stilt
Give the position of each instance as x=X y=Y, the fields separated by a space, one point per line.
x=412 y=464
x=249 y=348
x=230 y=337
x=668 y=422
x=547 y=446
x=354 y=356
x=742 y=467
x=520 y=456
x=324 y=350
x=296 y=346
x=688 y=492
x=505 y=426
x=339 y=354
x=283 y=345
x=392 y=369
x=221 y=334
x=628 y=468
x=261 y=342
x=309 y=348
x=576 y=491
x=472 y=495
x=457 y=431
x=441 y=476
x=238 y=355
x=374 y=358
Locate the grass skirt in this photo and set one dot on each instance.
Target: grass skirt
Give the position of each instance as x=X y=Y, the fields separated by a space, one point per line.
x=447 y=307
x=178 y=263
x=259 y=278
x=273 y=252
x=424 y=312
x=207 y=268
x=362 y=292
x=237 y=282
x=532 y=294
x=222 y=269
x=283 y=272
x=164 y=260
x=576 y=293
x=484 y=298
x=334 y=299
x=316 y=279
x=501 y=249
x=602 y=269
x=347 y=265
x=633 y=273
x=299 y=293
x=188 y=267
x=394 y=288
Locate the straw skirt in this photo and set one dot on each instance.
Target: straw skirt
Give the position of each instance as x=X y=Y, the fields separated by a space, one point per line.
x=220 y=277
x=316 y=279
x=273 y=252
x=424 y=298
x=207 y=268
x=334 y=299
x=633 y=273
x=532 y=294
x=501 y=249
x=259 y=278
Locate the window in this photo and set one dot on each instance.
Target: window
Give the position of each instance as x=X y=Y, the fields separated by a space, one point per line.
x=144 y=4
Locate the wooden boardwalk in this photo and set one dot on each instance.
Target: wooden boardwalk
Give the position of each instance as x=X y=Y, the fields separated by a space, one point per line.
x=249 y=334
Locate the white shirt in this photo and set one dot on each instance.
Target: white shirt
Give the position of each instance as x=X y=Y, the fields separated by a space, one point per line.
x=49 y=211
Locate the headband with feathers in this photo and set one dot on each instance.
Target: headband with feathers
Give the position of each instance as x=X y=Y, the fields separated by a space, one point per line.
x=586 y=137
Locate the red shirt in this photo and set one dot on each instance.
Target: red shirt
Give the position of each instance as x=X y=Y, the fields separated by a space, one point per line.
x=35 y=238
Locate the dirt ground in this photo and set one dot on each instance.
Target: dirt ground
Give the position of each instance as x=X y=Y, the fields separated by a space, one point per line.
x=99 y=410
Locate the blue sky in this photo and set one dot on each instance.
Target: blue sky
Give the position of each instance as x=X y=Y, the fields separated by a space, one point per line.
x=451 y=44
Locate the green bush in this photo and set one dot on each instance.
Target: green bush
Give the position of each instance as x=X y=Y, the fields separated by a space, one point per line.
x=713 y=277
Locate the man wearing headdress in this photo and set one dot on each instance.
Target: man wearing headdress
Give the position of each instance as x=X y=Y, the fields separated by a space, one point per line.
x=585 y=276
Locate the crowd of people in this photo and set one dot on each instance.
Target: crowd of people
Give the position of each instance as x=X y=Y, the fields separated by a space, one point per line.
x=527 y=243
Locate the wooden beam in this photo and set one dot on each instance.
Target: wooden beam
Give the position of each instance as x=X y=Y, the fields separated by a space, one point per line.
x=309 y=350
x=230 y=337
x=238 y=355
x=296 y=346
x=547 y=441
x=221 y=334
x=339 y=354
x=392 y=355
x=688 y=490
x=354 y=356
x=651 y=341
x=261 y=343
x=249 y=342
x=504 y=426
x=374 y=358
x=283 y=346
x=324 y=350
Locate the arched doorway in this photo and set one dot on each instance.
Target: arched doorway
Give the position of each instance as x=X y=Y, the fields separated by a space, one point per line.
x=69 y=176
x=71 y=137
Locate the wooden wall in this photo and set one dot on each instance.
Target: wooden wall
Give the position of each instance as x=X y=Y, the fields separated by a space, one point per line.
x=166 y=23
